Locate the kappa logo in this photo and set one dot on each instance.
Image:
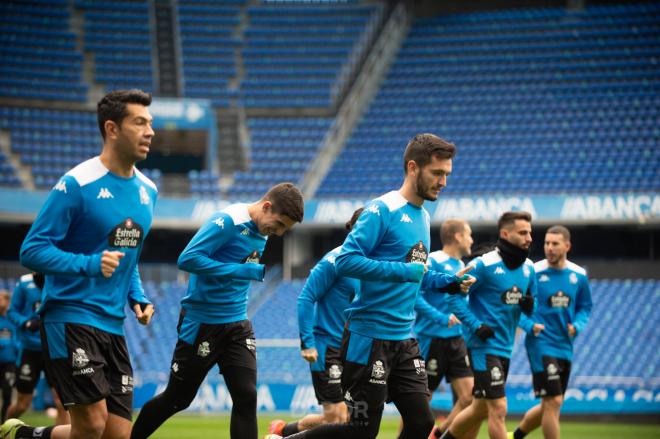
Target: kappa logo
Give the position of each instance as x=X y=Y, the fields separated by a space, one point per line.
x=79 y=358
x=251 y=344
x=573 y=278
x=220 y=222
x=60 y=186
x=406 y=219
x=498 y=270
x=245 y=232
x=448 y=267
x=175 y=367
x=144 y=196
x=544 y=278
x=203 y=350
x=331 y=259
x=104 y=193
x=373 y=209
x=347 y=396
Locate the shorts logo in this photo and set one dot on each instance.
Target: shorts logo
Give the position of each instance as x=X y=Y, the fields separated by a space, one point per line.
x=496 y=376
x=38 y=432
x=144 y=196
x=251 y=344
x=419 y=366
x=10 y=377
x=334 y=372
x=432 y=367
x=417 y=253
x=467 y=360
x=25 y=372
x=347 y=396
x=203 y=350
x=79 y=358
x=175 y=367
x=559 y=300
x=126 y=384
x=512 y=296
x=377 y=373
x=552 y=371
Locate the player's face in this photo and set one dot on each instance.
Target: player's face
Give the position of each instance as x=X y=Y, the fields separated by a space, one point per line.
x=432 y=178
x=4 y=301
x=519 y=234
x=555 y=247
x=135 y=133
x=465 y=241
x=271 y=223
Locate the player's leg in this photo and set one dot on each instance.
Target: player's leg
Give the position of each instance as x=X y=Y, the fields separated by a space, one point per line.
x=468 y=420
x=496 y=418
x=462 y=388
x=459 y=375
x=242 y=385
x=62 y=417
x=530 y=422
x=8 y=377
x=29 y=372
x=550 y=407
x=416 y=414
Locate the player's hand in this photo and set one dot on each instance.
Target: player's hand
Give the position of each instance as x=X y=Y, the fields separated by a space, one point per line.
x=310 y=355
x=526 y=303
x=426 y=267
x=143 y=315
x=32 y=325
x=466 y=280
x=484 y=332
x=110 y=262
x=537 y=328
x=571 y=330
x=453 y=320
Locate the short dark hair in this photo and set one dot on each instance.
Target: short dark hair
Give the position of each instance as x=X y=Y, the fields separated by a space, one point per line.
x=422 y=147
x=113 y=106
x=560 y=230
x=350 y=223
x=287 y=200
x=449 y=229
x=509 y=218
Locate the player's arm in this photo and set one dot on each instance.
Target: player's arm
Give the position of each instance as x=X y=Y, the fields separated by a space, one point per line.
x=140 y=304
x=583 y=306
x=320 y=280
x=528 y=303
x=440 y=282
x=428 y=311
x=353 y=261
x=17 y=307
x=458 y=305
x=196 y=257
x=40 y=251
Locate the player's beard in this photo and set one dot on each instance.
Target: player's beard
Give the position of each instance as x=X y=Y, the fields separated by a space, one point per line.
x=422 y=189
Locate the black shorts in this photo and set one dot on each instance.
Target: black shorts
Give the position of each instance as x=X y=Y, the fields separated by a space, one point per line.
x=490 y=374
x=87 y=365
x=327 y=382
x=553 y=381
x=448 y=358
x=29 y=370
x=378 y=371
x=7 y=374
x=201 y=346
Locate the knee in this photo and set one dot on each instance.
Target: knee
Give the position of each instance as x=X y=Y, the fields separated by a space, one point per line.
x=246 y=398
x=464 y=401
x=552 y=403
x=419 y=425
x=92 y=425
x=497 y=409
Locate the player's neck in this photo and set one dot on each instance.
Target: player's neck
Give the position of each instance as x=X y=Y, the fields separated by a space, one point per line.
x=559 y=265
x=253 y=211
x=452 y=252
x=116 y=164
x=409 y=193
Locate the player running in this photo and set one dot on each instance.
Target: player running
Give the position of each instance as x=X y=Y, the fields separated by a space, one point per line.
x=505 y=286
x=564 y=306
x=87 y=240
x=7 y=352
x=223 y=257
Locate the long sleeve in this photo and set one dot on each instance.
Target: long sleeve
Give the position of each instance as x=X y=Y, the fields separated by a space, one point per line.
x=136 y=291
x=197 y=256
x=354 y=261
x=526 y=323
x=318 y=283
x=459 y=306
x=423 y=308
x=17 y=306
x=40 y=251
x=436 y=281
x=583 y=307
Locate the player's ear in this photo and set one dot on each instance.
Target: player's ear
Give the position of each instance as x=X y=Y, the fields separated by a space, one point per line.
x=111 y=129
x=267 y=207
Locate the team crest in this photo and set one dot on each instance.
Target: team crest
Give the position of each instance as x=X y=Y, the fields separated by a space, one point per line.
x=496 y=373
x=573 y=278
x=526 y=270
x=203 y=350
x=378 y=370
x=334 y=372
x=79 y=358
x=552 y=369
x=144 y=196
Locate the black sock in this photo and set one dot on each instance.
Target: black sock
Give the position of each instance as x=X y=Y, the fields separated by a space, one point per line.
x=438 y=432
x=290 y=428
x=26 y=432
x=519 y=434
x=448 y=435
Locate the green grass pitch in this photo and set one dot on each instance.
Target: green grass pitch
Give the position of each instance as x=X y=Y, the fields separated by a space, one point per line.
x=190 y=426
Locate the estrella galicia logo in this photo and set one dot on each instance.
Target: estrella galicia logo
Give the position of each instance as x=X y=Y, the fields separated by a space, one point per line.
x=253 y=257
x=126 y=234
x=512 y=296
x=417 y=253
x=559 y=300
